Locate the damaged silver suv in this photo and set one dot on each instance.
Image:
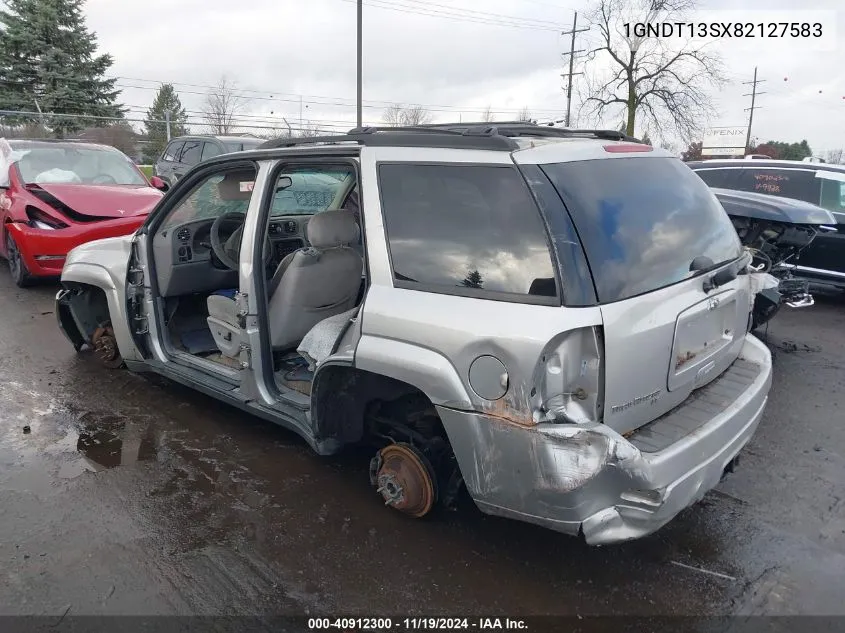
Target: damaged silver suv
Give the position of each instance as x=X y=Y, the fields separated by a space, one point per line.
x=557 y=320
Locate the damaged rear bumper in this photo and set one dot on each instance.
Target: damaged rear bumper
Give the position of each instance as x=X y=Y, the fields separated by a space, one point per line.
x=589 y=479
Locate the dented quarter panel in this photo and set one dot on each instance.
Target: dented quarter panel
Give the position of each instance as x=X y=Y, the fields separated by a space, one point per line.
x=588 y=478
x=103 y=264
x=430 y=340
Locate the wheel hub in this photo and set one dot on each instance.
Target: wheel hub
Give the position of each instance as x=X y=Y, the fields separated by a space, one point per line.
x=406 y=480
x=105 y=347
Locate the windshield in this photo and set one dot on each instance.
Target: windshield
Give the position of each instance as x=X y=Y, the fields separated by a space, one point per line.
x=56 y=164
x=642 y=221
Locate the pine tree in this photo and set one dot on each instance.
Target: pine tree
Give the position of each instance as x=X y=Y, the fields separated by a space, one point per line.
x=166 y=100
x=48 y=60
x=473 y=280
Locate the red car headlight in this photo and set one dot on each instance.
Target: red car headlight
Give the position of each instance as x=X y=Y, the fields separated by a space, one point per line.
x=40 y=220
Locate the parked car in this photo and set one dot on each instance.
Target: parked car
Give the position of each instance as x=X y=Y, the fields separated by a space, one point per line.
x=184 y=152
x=822 y=184
x=557 y=320
x=55 y=195
x=776 y=230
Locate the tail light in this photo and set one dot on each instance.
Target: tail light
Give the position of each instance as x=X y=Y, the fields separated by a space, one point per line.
x=40 y=220
x=570 y=377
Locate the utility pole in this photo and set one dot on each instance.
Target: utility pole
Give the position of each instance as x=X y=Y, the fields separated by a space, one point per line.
x=571 y=54
x=360 y=64
x=167 y=123
x=753 y=94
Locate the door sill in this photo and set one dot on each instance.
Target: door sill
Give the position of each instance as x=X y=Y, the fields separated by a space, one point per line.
x=206 y=366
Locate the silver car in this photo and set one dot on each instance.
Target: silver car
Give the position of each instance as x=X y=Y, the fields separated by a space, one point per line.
x=555 y=320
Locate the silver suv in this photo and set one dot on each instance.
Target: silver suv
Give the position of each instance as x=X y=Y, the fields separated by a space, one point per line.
x=556 y=320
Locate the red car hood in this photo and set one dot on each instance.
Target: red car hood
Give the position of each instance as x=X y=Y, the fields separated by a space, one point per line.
x=104 y=201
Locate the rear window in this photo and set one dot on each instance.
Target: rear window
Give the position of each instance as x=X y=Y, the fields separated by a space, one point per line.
x=466 y=229
x=642 y=221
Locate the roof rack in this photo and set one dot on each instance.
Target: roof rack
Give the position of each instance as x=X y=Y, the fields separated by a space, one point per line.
x=491 y=136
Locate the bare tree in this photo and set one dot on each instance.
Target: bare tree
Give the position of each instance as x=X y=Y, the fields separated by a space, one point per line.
x=399 y=115
x=488 y=115
x=525 y=115
x=835 y=156
x=663 y=81
x=222 y=105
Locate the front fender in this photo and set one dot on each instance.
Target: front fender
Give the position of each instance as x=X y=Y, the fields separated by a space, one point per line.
x=103 y=264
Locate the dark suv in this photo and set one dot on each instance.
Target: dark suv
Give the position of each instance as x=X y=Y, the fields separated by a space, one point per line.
x=184 y=152
x=823 y=261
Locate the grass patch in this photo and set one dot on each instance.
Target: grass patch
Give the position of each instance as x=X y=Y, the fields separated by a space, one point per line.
x=147 y=170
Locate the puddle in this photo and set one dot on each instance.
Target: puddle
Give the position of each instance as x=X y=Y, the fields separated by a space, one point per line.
x=61 y=443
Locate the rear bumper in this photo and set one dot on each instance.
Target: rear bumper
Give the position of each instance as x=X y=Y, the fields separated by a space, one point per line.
x=591 y=480
x=44 y=251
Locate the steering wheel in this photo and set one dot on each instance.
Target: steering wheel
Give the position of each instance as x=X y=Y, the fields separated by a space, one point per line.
x=103 y=179
x=228 y=252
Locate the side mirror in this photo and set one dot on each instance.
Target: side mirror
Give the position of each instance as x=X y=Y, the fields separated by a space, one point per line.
x=283 y=183
x=159 y=184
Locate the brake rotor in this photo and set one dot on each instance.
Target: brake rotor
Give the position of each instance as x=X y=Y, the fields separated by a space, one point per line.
x=405 y=480
x=105 y=347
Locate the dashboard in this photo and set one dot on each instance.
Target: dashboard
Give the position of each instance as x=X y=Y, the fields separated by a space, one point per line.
x=186 y=263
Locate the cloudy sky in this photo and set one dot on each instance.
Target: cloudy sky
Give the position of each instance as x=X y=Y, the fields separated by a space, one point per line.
x=295 y=59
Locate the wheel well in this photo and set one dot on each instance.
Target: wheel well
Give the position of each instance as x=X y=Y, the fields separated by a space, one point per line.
x=342 y=396
x=352 y=406
x=89 y=307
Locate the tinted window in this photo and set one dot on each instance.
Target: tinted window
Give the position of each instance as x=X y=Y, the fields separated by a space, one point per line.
x=642 y=221
x=465 y=228
x=239 y=146
x=209 y=150
x=787 y=183
x=722 y=178
x=191 y=153
x=172 y=151
x=833 y=194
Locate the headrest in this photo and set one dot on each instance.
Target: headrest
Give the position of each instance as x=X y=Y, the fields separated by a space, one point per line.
x=236 y=185
x=329 y=229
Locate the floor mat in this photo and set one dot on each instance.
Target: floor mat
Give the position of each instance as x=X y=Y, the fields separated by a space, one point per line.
x=198 y=341
x=293 y=373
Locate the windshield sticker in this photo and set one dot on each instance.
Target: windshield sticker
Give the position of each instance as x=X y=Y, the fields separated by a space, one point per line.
x=247 y=186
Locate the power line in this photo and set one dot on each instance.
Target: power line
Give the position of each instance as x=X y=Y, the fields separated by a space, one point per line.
x=314 y=100
x=420 y=10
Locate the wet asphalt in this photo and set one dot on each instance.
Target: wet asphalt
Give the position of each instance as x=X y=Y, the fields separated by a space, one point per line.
x=131 y=495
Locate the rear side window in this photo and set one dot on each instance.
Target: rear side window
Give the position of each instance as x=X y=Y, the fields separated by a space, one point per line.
x=642 y=221
x=721 y=178
x=172 y=151
x=209 y=150
x=465 y=229
x=191 y=153
x=787 y=183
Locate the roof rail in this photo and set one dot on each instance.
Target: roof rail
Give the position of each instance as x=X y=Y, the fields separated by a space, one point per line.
x=401 y=137
x=522 y=128
x=490 y=136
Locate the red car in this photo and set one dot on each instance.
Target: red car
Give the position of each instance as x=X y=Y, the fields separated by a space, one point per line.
x=60 y=194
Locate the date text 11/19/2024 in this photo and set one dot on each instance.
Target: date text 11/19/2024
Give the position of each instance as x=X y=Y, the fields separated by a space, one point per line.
x=416 y=624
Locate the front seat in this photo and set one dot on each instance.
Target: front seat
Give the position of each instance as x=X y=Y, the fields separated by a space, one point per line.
x=309 y=285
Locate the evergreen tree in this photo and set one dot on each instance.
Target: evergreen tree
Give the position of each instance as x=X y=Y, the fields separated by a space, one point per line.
x=473 y=280
x=48 y=60
x=166 y=100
